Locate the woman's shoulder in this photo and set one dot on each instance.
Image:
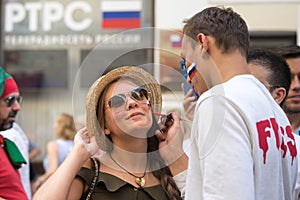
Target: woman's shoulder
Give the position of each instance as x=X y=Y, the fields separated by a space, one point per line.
x=64 y=142
x=52 y=144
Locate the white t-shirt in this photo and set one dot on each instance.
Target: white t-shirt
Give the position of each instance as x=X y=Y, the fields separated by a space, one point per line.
x=297 y=187
x=242 y=145
x=17 y=135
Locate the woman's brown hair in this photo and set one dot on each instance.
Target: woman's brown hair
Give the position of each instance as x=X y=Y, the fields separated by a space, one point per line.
x=157 y=165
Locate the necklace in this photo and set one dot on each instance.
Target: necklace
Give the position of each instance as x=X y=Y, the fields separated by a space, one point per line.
x=140 y=180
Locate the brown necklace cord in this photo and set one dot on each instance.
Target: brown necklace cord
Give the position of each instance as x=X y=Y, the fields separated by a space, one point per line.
x=93 y=183
x=140 y=180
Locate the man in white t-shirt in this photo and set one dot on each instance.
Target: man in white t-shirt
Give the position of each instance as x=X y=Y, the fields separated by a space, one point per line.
x=242 y=142
x=273 y=71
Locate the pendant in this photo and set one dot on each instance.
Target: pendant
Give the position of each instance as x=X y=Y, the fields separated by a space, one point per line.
x=140 y=181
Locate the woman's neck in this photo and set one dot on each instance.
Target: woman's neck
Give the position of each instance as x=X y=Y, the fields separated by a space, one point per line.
x=133 y=162
x=131 y=144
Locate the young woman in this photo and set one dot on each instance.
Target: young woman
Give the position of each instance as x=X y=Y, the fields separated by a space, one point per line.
x=139 y=161
x=58 y=149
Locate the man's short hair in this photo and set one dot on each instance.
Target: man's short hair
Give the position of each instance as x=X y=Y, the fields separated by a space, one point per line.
x=291 y=51
x=280 y=74
x=227 y=27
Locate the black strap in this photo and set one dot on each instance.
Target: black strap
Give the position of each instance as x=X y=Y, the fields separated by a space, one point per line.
x=93 y=183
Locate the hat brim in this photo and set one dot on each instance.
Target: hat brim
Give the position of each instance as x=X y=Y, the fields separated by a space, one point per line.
x=142 y=79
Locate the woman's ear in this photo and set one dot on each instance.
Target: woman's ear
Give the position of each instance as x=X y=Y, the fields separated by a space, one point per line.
x=279 y=94
x=106 y=131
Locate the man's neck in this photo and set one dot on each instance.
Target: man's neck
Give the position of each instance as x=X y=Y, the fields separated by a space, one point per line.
x=294 y=120
x=232 y=64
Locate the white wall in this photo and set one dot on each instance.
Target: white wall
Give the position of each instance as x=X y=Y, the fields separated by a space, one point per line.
x=264 y=16
x=259 y=16
x=170 y=13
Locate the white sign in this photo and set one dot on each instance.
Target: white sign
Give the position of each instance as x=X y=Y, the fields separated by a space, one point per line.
x=50 y=12
x=60 y=23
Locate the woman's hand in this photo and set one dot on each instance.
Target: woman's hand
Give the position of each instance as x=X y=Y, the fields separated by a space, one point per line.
x=82 y=138
x=170 y=146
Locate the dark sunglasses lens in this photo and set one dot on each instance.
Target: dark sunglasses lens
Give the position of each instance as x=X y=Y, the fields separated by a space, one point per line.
x=11 y=100
x=19 y=99
x=139 y=94
x=116 y=101
x=144 y=92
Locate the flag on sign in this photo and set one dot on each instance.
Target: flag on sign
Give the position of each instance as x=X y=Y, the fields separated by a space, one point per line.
x=121 y=14
x=175 y=40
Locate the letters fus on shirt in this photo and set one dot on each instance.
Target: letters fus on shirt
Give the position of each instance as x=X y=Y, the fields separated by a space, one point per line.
x=284 y=140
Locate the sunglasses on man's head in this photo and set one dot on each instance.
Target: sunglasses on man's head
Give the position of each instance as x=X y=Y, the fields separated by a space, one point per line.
x=138 y=94
x=11 y=100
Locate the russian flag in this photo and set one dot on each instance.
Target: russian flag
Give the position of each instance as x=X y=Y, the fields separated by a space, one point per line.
x=175 y=40
x=121 y=14
x=192 y=70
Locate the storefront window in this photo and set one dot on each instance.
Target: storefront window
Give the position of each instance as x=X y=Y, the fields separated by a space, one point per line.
x=33 y=69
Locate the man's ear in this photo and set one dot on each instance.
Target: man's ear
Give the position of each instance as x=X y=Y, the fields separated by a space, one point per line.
x=202 y=41
x=279 y=94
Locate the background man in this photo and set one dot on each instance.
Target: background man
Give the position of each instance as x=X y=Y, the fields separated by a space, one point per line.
x=17 y=135
x=10 y=182
x=272 y=70
x=291 y=105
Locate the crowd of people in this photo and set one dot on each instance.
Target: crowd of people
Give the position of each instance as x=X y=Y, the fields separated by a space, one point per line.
x=243 y=142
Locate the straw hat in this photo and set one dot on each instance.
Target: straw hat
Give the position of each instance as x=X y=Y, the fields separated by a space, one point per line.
x=140 y=77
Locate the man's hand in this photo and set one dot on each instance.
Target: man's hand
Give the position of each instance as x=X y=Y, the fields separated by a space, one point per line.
x=189 y=104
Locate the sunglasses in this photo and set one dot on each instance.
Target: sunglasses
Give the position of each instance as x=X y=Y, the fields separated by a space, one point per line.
x=11 y=100
x=118 y=100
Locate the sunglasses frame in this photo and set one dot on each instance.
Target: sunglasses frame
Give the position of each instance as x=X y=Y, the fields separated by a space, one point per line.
x=11 y=100
x=130 y=94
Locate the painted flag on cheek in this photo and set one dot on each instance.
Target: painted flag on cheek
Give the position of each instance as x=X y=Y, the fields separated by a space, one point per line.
x=121 y=14
x=192 y=70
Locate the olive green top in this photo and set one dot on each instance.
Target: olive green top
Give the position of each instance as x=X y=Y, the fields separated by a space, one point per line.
x=110 y=187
